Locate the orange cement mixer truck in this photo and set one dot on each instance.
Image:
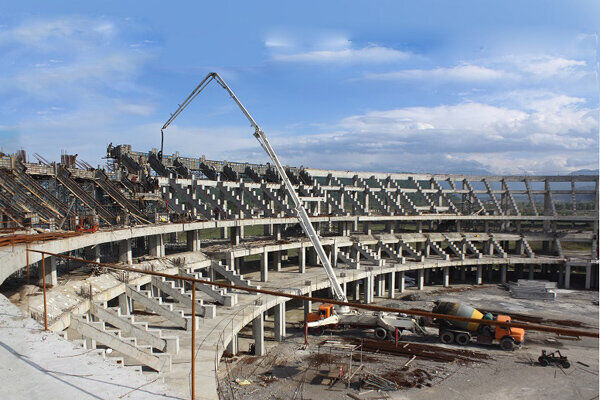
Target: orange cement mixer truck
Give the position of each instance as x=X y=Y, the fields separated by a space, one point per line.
x=462 y=333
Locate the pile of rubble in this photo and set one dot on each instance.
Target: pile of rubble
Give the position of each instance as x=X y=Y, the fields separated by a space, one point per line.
x=532 y=290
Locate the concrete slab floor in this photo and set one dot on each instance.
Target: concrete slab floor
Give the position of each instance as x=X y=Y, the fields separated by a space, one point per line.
x=35 y=364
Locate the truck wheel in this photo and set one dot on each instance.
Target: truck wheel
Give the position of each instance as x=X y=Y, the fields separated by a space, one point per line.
x=507 y=343
x=447 y=337
x=380 y=333
x=318 y=331
x=566 y=364
x=462 y=338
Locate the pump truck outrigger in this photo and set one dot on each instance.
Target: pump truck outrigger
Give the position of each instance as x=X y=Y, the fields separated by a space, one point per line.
x=334 y=315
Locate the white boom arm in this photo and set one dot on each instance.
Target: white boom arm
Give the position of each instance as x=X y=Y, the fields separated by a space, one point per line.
x=301 y=214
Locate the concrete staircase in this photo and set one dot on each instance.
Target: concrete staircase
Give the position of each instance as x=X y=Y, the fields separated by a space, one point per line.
x=368 y=254
x=454 y=249
x=529 y=251
x=477 y=200
x=443 y=195
x=437 y=249
x=468 y=245
x=497 y=247
x=171 y=289
x=281 y=203
x=155 y=304
x=425 y=196
x=231 y=275
x=493 y=197
x=230 y=194
x=391 y=253
x=346 y=259
x=411 y=205
x=129 y=326
x=127 y=347
x=219 y=295
x=558 y=248
x=511 y=198
x=411 y=251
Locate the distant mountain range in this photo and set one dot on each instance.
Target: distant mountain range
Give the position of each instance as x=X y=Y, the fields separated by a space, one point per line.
x=585 y=172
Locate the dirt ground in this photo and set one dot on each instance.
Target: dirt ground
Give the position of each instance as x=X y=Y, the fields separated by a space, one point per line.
x=291 y=370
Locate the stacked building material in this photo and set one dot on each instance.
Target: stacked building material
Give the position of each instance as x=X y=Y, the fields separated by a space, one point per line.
x=534 y=290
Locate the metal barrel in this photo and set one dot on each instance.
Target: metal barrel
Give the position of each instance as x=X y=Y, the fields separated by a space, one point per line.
x=460 y=310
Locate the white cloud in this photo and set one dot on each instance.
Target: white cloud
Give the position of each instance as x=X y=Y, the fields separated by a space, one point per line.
x=460 y=73
x=546 y=67
x=70 y=83
x=370 y=54
x=557 y=133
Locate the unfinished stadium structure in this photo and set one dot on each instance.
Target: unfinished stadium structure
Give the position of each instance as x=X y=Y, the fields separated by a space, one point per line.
x=232 y=223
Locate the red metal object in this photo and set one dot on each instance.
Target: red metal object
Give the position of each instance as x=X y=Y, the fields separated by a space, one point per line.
x=44 y=291
x=396 y=337
x=193 y=390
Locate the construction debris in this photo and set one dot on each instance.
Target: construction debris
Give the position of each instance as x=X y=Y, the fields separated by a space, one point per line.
x=533 y=290
x=423 y=351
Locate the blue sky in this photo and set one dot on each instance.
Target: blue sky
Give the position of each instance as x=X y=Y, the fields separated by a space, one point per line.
x=471 y=86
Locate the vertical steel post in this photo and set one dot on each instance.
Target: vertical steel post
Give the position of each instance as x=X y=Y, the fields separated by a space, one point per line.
x=44 y=290
x=27 y=260
x=193 y=340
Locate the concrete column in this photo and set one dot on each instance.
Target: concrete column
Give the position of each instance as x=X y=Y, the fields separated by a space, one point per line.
x=233 y=346
x=125 y=251
x=236 y=235
x=368 y=289
x=302 y=259
x=230 y=261
x=463 y=273
x=124 y=304
x=156 y=245
x=531 y=271
x=401 y=282
x=421 y=279
x=51 y=274
x=479 y=278
x=446 y=276
x=193 y=240
x=277 y=260
x=280 y=322
x=264 y=266
x=356 y=290
x=258 y=333
x=225 y=233
x=427 y=276
x=588 y=275
x=277 y=231
x=503 y=274
x=334 y=255
x=366 y=228
x=379 y=283
x=567 y=274
x=490 y=272
x=392 y=285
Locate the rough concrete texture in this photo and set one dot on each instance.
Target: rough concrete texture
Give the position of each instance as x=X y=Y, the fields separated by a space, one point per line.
x=35 y=364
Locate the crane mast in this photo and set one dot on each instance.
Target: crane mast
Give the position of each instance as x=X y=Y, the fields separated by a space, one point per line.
x=299 y=209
